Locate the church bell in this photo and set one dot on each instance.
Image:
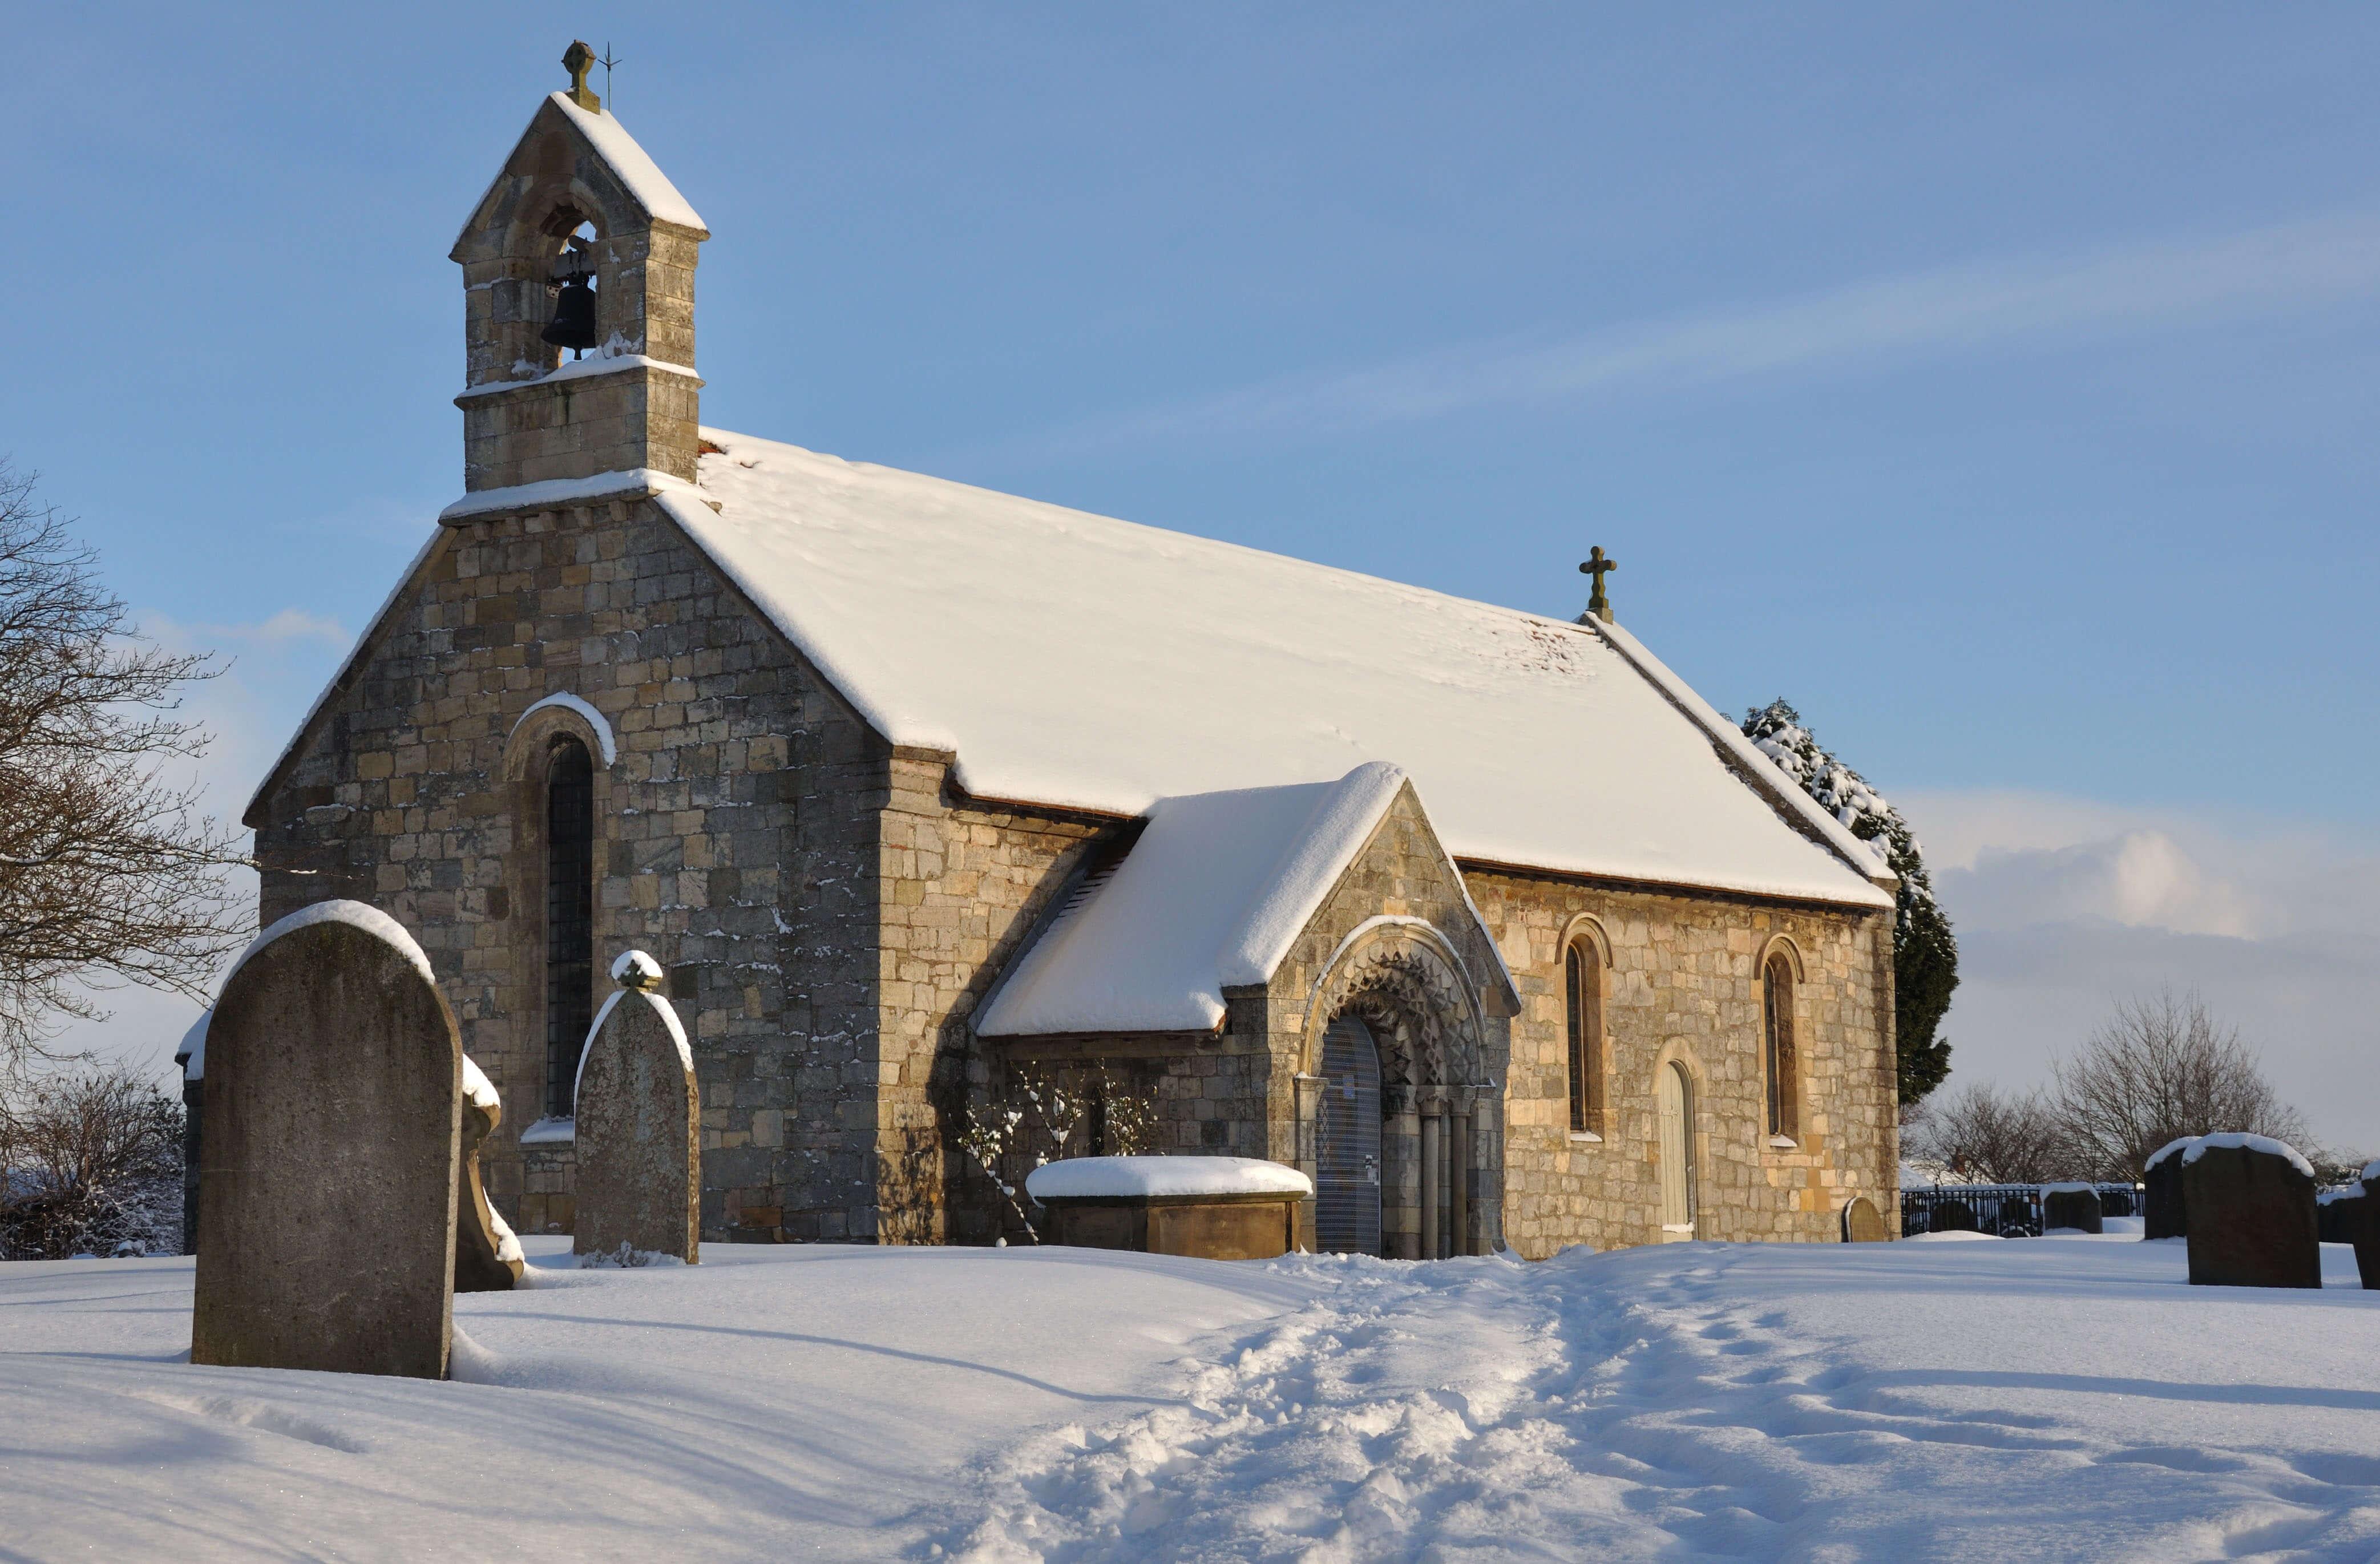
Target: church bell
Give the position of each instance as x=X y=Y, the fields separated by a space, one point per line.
x=572 y=325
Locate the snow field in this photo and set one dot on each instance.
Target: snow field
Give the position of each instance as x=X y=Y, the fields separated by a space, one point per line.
x=2002 y=1401
x=2032 y=1400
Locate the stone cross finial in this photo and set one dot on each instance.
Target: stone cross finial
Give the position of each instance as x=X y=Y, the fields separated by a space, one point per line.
x=578 y=59
x=1598 y=565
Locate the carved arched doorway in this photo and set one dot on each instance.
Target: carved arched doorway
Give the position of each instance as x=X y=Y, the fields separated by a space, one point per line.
x=1347 y=1136
x=1402 y=989
x=1674 y=1109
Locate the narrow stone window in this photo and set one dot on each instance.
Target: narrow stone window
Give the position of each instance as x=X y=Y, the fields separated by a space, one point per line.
x=1777 y=1007
x=1583 y=980
x=569 y=918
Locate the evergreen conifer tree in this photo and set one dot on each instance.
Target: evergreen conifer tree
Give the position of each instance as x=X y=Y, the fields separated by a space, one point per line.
x=1924 y=952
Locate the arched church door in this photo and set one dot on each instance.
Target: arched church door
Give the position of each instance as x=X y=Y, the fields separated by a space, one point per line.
x=1675 y=1105
x=1347 y=1182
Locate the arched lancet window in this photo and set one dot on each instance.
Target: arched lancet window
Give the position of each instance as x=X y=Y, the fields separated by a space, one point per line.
x=1582 y=989
x=1776 y=1026
x=569 y=916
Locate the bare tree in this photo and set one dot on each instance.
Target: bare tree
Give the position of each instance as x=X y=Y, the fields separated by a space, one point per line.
x=90 y=1161
x=1981 y=1134
x=2161 y=1068
x=109 y=873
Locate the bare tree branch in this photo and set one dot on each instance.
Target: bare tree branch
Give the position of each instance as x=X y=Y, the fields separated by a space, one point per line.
x=110 y=873
x=2161 y=1068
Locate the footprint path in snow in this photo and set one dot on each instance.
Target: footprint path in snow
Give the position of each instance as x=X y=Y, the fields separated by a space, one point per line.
x=1582 y=1408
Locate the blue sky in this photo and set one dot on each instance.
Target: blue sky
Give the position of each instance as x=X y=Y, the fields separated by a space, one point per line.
x=1997 y=385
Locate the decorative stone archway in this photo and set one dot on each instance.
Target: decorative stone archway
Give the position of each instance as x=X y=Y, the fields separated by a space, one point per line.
x=1442 y=1140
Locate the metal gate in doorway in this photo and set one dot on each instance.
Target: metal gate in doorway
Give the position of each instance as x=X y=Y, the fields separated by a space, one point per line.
x=1347 y=1127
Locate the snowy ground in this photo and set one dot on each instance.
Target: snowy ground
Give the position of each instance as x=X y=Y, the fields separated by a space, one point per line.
x=2051 y=1398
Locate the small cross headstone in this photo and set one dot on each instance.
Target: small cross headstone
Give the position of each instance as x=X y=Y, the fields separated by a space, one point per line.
x=326 y=1208
x=487 y=1255
x=640 y=1173
x=1599 y=566
x=1863 y=1223
x=2251 y=1216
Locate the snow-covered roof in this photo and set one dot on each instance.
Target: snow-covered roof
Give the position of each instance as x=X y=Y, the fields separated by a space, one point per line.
x=638 y=175
x=1210 y=896
x=1074 y=660
x=637 y=171
x=1114 y=1178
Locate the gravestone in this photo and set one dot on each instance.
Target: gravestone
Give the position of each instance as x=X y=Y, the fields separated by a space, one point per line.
x=326 y=1208
x=640 y=1173
x=2251 y=1220
x=1863 y=1223
x=2363 y=1229
x=2073 y=1205
x=2163 y=1214
x=487 y=1255
x=1954 y=1216
x=2335 y=1212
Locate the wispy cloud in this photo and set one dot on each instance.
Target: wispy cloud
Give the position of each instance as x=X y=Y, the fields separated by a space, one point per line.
x=1950 y=310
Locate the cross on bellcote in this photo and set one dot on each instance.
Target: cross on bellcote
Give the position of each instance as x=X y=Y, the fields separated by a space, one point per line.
x=578 y=59
x=1598 y=565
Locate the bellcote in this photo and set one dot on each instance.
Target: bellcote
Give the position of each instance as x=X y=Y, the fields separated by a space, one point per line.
x=579 y=194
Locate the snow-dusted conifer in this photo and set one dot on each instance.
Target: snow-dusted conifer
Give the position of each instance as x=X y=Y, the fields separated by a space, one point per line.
x=1924 y=952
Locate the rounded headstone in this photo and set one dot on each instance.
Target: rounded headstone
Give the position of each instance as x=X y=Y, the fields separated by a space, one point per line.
x=639 y=1178
x=1954 y=1215
x=1863 y=1223
x=326 y=1205
x=2252 y=1213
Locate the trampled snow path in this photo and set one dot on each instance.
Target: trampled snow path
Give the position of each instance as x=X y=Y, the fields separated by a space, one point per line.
x=2047 y=1398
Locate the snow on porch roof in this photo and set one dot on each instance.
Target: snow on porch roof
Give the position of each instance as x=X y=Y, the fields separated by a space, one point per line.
x=1074 y=660
x=1211 y=896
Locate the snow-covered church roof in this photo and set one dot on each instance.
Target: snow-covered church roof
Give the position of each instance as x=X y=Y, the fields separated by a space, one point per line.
x=1075 y=661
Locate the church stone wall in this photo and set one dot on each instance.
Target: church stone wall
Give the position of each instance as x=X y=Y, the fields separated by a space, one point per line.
x=1686 y=977
x=736 y=841
x=962 y=885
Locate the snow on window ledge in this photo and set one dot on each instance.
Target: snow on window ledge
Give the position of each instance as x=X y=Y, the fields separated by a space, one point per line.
x=1677 y=1227
x=1783 y=1142
x=1586 y=1137
x=551 y=1132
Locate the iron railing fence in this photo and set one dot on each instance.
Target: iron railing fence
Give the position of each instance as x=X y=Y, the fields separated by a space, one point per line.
x=2003 y=1210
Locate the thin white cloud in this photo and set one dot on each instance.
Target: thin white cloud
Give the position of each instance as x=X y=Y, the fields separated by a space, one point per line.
x=1948 y=311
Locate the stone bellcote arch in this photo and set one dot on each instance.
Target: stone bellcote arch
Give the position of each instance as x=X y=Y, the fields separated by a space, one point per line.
x=633 y=407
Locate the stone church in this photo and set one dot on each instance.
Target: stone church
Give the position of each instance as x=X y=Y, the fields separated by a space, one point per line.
x=1485 y=920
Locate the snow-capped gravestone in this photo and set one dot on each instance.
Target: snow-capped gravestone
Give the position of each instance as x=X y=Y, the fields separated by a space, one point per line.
x=487 y=1255
x=1863 y=1223
x=2162 y=1212
x=2073 y=1207
x=1208 y=1207
x=2250 y=1201
x=2360 y=1226
x=326 y=1208
x=640 y=1174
